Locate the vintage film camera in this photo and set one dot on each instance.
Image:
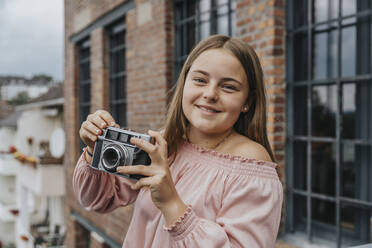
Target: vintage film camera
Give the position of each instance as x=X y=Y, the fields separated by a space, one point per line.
x=114 y=149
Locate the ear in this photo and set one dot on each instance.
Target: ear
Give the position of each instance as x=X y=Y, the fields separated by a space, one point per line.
x=245 y=108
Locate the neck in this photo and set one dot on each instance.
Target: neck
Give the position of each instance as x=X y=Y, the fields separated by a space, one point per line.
x=211 y=141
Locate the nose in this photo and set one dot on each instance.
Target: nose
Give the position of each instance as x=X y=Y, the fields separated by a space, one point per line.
x=210 y=93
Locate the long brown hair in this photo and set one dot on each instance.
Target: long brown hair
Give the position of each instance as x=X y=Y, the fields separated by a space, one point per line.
x=251 y=124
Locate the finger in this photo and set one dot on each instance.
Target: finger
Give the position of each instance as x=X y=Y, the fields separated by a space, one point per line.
x=86 y=134
x=89 y=126
x=143 y=182
x=136 y=170
x=158 y=137
x=106 y=116
x=97 y=120
x=143 y=145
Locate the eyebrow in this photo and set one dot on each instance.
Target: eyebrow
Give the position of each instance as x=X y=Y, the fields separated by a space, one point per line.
x=223 y=79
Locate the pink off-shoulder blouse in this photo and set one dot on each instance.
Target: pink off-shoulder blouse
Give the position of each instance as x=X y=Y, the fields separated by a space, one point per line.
x=232 y=201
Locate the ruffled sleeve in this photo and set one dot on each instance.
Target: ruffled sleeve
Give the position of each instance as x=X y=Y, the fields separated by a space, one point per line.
x=249 y=217
x=100 y=191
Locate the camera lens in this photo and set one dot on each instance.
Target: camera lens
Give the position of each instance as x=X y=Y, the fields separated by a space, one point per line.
x=111 y=157
x=115 y=155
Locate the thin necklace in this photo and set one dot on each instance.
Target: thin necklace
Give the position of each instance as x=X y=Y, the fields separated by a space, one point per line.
x=219 y=143
x=223 y=140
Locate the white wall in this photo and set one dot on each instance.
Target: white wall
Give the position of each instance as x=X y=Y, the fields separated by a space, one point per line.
x=8 y=189
x=7 y=137
x=7 y=233
x=33 y=123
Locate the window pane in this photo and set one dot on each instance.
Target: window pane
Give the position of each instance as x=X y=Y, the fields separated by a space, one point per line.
x=325 y=51
x=121 y=88
x=300 y=110
x=323 y=170
x=117 y=94
x=325 y=10
x=122 y=115
x=84 y=80
x=190 y=9
x=191 y=40
x=348 y=7
x=300 y=213
x=355 y=226
x=300 y=12
x=324 y=106
x=84 y=111
x=223 y=25
x=205 y=18
x=323 y=212
x=299 y=166
x=222 y=17
x=356 y=46
x=357 y=110
x=363 y=45
x=204 y=29
x=222 y=2
x=348 y=111
x=300 y=56
x=85 y=93
x=233 y=18
x=204 y=7
x=356 y=171
x=84 y=71
x=348 y=51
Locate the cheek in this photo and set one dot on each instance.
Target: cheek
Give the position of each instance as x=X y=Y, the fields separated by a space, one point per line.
x=189 y=95
x=186 y=101
x=234 y=107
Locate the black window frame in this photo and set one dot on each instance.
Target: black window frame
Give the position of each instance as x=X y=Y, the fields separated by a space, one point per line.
x=300 y=90
x=188 y=17
x=83 y=49
x=116 y=34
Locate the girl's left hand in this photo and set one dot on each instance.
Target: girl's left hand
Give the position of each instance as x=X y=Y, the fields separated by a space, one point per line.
x=158 y=177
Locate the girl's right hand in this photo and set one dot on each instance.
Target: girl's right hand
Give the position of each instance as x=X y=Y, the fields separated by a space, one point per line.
x=93 y=126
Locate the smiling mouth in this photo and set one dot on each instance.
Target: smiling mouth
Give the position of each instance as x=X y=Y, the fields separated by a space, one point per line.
x=210 y=110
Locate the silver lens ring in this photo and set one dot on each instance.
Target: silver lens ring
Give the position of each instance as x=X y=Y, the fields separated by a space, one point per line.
x=115 y=155
x=111 y=157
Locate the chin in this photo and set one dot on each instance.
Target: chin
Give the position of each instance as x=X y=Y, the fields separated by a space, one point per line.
x=208 y=129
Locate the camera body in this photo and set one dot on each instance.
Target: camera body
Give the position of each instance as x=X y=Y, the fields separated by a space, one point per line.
x=113 y=149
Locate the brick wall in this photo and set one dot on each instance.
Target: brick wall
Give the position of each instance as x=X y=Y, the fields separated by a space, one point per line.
x=149 y=62
x=261 y=23
x=149 y=57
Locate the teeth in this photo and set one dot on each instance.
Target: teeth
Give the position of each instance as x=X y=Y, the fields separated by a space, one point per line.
x=209 y=110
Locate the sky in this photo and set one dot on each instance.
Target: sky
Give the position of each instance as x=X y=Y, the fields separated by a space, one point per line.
x=31 y=37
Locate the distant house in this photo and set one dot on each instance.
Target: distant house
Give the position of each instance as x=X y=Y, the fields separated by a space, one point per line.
x=31 y=176
x=12 y=86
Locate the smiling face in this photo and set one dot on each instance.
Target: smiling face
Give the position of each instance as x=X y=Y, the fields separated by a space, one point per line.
x=215 y=92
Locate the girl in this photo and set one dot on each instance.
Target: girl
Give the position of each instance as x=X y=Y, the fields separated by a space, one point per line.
x=212 y=182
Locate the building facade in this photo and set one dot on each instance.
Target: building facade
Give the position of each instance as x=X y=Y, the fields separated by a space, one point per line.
x=32 y=175
x=12 y=86
x=125 y=56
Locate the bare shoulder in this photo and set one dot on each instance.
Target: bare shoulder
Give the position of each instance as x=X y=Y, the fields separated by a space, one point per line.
x=245 y=147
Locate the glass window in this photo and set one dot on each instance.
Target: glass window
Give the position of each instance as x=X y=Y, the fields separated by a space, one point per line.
x=324 y=107
x=84 y=80
x=195 y=20
x=117 y=87
x=325 y=51
x=330 y=73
